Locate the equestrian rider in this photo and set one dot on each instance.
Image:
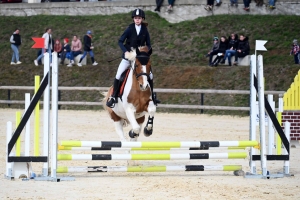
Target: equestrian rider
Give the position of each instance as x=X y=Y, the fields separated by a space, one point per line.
x=135 y=35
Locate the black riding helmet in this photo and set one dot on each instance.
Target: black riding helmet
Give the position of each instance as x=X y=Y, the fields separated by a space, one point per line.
x=138 y=12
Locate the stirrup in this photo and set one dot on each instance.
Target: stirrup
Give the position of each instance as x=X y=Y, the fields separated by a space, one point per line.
x=111 y=102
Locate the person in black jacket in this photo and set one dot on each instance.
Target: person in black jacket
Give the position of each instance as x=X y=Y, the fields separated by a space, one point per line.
x=15 y=42
x=66 y=49
x=242 y=49
x=134 y=36
x=88 y=48
x=232 y=45
x=221 y=51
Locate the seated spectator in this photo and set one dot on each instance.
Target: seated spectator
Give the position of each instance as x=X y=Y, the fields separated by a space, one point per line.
x=242 y=49
x=272 y=4
x=234 y=3
x=170 y=6
x=57 y=47
x=66 y=50
x=158 y=5
x=221 y=51
x=295 y=51
x=214 y=50
x=209 y=5
x=259 y=2
x=219 y=2
x=75 y=49
x=232 y=45
x=247 y=5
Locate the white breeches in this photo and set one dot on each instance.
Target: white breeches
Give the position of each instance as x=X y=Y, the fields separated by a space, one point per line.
x=123 y=66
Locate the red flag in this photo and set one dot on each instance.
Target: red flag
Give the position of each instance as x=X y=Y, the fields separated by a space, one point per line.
x=39 y=43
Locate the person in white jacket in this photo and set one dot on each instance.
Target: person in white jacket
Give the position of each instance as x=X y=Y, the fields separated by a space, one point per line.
x=48 y=45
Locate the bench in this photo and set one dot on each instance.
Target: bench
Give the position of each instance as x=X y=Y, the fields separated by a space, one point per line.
x=76 y=60
x=244 y=61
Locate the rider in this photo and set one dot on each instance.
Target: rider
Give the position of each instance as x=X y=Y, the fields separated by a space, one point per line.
x=135 y=35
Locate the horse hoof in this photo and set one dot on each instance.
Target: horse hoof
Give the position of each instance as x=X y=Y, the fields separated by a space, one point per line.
x=133 y=134
x=147 y=132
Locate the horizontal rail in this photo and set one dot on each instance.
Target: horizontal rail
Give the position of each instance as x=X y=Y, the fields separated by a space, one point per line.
x=159 y=90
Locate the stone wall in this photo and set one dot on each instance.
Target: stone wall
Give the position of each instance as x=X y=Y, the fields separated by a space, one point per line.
x=183 y=9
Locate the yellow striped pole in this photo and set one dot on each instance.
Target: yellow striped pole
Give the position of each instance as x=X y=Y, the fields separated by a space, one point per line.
x=36 y=119
x=18 y=145
x=278 y=139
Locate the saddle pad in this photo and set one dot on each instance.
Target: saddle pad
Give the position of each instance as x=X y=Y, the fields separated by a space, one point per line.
x=124 y=77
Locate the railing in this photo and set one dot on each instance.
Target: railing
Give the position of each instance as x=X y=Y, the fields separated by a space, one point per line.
x=158 y=90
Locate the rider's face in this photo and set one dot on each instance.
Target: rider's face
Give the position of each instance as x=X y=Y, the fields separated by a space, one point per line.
x=137 y=20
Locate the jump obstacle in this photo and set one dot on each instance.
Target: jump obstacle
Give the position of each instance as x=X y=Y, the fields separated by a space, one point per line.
x=255 y=84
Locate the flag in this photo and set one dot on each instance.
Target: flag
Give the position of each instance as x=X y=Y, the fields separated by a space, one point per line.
x=260 y=45
x=39 y=43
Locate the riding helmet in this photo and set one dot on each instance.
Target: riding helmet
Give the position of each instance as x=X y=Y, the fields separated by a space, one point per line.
x=138 y=12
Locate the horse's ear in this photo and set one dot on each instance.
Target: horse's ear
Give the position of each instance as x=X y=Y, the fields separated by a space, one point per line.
x=138 y=51
x=150 y=51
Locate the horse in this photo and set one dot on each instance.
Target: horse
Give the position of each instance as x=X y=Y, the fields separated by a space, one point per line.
x=136 y=100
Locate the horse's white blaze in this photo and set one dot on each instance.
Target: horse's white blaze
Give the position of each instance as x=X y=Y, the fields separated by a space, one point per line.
x=145 y=81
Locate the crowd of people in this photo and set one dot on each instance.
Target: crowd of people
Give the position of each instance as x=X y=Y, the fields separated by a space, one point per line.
x=226 y=48
x=210 y=4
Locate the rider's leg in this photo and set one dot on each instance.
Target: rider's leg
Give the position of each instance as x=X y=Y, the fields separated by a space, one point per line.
x=155 y=100
x=114 y=97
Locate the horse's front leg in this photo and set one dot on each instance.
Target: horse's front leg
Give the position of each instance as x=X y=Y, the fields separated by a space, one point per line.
x=130 y=113
x=119 y=129
x=149 y=126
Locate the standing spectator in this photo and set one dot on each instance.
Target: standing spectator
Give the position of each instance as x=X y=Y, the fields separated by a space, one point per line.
x=16 y=41
x=295 y=51
x=232 y=45
x=88 y=48
x=272 y=4
x=221 y=51
x=234 y=3
x=242 y=49
x=57 y=47
x=158 y=5
x=214 y=50
x=48 y=46
x=66 y=50
x=247 y=5
x=75 y=49
x=209 y=5
x=170 y=6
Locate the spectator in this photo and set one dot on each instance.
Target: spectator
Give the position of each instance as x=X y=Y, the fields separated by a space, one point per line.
x=234 y=3
x=48 y=46
x=219 y=2
x=88 y=48
x=247 y=5
x=232 y=45
x=295 y=51
x=272 y=4
x=170 y=6
x=57 y=47
x=259 y=2
x=75 y=49
x=209 y=5
x=242 y=49
x=16 y=41
x=66 y=50
x=214 y=50
x=221 y=51
x=158 y=5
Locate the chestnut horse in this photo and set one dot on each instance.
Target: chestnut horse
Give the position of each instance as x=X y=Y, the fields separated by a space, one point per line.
x=136 y=100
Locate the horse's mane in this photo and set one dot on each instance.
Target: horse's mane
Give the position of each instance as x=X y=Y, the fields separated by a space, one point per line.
x=132 y=54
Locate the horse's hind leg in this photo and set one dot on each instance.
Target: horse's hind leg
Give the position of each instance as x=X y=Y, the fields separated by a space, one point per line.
x=149 y=126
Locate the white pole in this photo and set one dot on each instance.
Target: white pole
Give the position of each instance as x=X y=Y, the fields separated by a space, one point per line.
x=46 y=115
x=280 y=104
x=261 y=101
x=270 y=126
x=287 y=131
x=27 y=127
x=8 y=137
x=54 y=114
x=252 y=112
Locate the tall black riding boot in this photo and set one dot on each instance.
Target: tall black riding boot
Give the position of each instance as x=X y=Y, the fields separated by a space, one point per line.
x=113 y=99
x=155 y=100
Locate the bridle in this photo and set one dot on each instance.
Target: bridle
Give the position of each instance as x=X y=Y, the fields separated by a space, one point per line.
x=144 y=59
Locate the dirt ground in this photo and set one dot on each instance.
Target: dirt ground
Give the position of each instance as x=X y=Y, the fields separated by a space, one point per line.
x=96 y=126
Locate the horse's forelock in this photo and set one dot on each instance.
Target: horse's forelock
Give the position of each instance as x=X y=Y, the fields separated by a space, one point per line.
x=144 y=49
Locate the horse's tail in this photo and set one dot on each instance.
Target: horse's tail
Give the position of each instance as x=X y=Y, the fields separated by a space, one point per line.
x=104 y=100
